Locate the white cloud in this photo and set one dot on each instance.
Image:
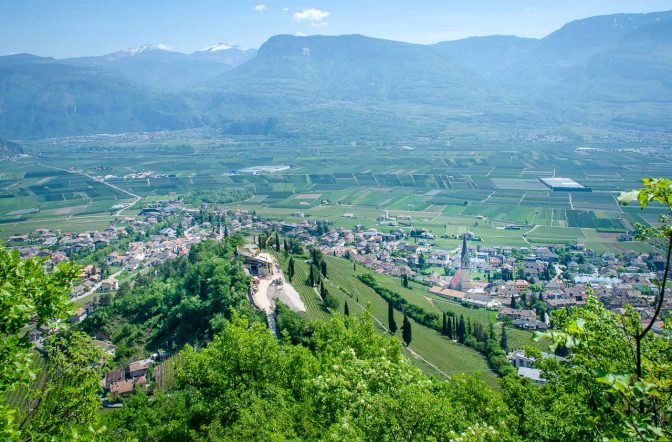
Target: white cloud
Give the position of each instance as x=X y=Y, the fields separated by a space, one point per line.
x=164 y=47
x=301 y=34
x=261 y=8
x=311 y=15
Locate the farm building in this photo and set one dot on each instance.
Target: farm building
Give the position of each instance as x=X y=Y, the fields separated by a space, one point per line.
x=564 y=184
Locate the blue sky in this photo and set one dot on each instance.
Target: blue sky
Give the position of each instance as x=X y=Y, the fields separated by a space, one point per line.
x=66 y=28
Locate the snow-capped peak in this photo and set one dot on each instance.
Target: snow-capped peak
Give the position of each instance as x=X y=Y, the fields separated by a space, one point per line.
x=220 y=47
x=147 y=48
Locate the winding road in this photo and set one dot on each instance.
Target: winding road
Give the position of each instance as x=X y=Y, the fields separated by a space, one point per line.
x=137 y=198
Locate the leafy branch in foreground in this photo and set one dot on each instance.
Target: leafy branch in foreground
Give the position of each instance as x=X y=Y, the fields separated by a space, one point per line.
x=658 y=190
x=619 y=352
x=69 y=399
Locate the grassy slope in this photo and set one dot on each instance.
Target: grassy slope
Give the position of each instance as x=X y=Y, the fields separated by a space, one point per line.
x=419 y=295
x=445 y=355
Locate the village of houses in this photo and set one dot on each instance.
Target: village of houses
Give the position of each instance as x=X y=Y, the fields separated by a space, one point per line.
x=553 y=277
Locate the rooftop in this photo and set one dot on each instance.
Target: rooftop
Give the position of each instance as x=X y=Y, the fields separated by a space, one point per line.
x=561 y=183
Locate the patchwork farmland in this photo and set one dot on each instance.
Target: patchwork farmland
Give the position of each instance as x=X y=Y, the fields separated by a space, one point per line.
x=476 y=188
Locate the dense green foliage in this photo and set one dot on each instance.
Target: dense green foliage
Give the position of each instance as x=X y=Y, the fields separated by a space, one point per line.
x=347 y=383
x=63 y=399
x=28 y=292
x=341 y=380
x=188 y=301
x=595 y=394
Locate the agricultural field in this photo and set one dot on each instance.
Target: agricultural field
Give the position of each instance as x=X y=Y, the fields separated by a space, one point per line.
x=586 y=219
x=469 y=186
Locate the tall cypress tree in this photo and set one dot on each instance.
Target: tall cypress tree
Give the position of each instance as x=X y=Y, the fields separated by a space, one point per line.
x=469 y=329
x=290 y=269
x=323 y=291
x=491 y=332
x=444 y=326
x=346 y=309
x=478 y=331
x=392 y=325
x=318 y=276
x=311 y=277
x=504 y=342
x=406 y=333
x=449 y=329
x=323 y=268
x=461 y=329
x=277 y=242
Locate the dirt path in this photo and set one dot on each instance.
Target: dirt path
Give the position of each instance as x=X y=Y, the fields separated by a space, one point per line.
x=528 y=232
x=274 y=287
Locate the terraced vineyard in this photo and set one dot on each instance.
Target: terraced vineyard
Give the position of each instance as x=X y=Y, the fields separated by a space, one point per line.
x=18 y=399
x=167 y=378
x=433 y=353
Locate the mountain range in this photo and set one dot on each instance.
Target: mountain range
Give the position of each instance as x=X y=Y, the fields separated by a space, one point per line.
x=609 y=71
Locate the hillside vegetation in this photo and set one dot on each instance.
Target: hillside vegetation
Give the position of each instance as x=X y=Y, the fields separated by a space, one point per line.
x=187 y=300
x=336 y=378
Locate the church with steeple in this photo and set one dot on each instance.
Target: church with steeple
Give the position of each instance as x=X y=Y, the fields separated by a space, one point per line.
x=462 y=278
x=465 y=266
x=464 y=257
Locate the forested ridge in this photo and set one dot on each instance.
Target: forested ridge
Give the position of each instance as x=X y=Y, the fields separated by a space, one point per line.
x=187 y=300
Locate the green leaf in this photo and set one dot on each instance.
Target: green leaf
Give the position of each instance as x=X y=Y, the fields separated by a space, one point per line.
x=643 y=198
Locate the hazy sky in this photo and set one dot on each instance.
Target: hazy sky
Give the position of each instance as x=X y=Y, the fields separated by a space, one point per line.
x=66 y=28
